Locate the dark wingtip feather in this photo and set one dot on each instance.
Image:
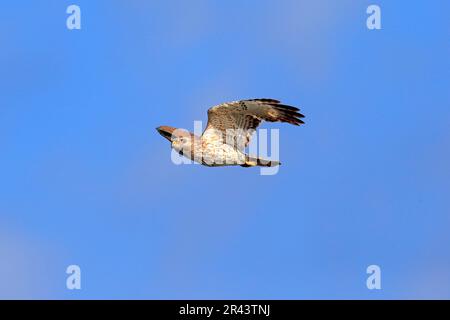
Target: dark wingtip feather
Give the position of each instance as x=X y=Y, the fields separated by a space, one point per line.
x=288 y=113
x=284 y=106
x=265 y=100
x=291 y=118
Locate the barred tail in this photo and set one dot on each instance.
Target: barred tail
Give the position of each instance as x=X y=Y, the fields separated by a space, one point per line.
x=253 y=162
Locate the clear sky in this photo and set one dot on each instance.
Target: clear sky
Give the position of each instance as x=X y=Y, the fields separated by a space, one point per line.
x=86 y=179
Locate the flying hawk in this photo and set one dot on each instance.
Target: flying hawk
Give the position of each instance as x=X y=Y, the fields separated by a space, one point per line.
x=228 y=132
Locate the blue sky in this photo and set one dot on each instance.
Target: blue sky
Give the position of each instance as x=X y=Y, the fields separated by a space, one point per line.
x=86 y=179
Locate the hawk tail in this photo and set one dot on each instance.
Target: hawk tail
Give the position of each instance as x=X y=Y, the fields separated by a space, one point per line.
x=253 y=162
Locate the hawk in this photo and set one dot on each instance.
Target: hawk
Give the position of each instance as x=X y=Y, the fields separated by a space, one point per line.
x=229 y=131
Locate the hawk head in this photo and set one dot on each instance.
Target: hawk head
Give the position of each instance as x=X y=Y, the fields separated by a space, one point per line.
x=167 y=132
x=179 y=138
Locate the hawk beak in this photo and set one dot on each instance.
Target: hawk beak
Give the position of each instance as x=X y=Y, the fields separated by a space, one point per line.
x=166 y=132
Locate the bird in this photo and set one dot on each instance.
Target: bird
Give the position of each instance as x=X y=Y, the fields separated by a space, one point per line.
x=229 y=131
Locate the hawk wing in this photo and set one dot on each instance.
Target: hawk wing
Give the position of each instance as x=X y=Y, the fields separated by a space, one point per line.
x=244 y=116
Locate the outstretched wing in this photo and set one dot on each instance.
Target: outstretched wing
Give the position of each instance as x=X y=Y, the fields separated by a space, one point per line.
x=235 y=122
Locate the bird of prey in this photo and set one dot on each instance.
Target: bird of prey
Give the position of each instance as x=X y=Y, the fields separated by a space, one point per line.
x=228 y=132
